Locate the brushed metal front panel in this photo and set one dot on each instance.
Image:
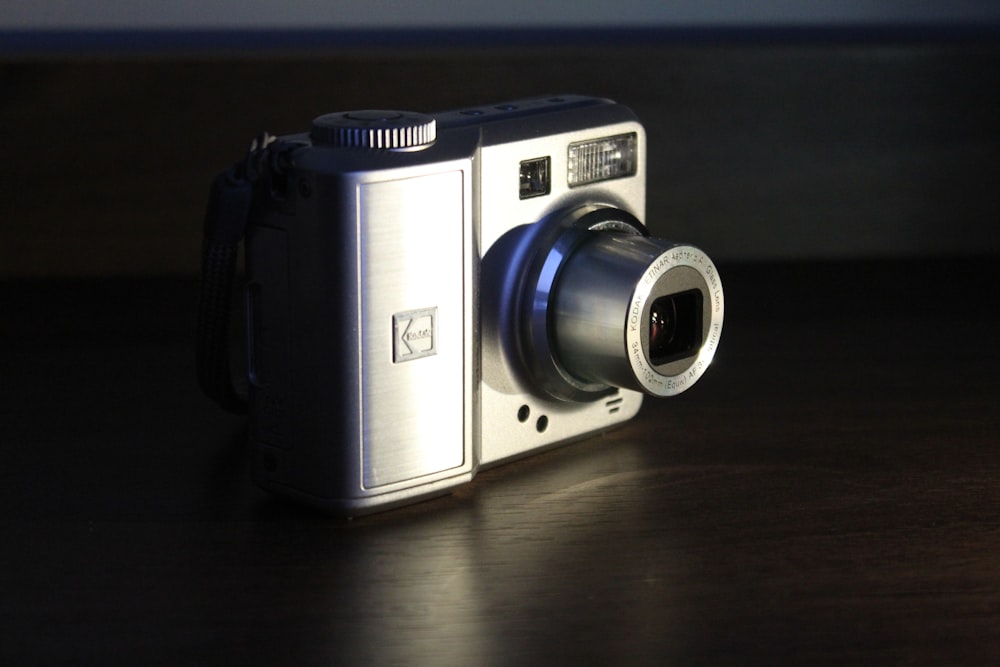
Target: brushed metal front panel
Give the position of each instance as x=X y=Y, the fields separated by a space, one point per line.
x=412 y=323
x=516 y=419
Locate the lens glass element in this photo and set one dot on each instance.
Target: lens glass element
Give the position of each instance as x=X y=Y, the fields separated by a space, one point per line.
x=675 y=327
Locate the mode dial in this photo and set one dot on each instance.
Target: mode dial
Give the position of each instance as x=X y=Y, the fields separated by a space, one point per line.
x=378 y=129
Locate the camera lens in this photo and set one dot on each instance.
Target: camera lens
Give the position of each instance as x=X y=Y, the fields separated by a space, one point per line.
x=615 y=308
x=606 y=306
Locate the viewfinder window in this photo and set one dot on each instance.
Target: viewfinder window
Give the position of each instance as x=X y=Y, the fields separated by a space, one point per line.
x=536 y=177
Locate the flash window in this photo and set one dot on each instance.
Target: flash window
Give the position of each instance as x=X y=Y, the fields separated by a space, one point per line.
x=602 y=159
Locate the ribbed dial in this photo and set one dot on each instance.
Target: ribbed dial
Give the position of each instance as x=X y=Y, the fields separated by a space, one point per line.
x=375 y=129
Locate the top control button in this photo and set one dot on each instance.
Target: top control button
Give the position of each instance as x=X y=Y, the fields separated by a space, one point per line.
x=376 y=129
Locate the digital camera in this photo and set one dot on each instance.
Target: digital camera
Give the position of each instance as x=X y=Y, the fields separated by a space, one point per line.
x=429 y=294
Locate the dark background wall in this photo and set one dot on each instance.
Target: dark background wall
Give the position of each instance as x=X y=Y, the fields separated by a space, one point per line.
x=759 y=149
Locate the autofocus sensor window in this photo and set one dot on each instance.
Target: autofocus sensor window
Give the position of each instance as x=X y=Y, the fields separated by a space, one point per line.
x=675 y=327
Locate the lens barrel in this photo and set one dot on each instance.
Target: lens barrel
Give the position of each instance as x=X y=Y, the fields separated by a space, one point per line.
x=608 y=306
x=636 y=312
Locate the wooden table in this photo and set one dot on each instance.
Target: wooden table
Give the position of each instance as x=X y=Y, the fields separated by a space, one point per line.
x=828 y=493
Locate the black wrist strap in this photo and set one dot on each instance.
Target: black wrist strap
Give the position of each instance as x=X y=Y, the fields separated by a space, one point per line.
x=226 y=218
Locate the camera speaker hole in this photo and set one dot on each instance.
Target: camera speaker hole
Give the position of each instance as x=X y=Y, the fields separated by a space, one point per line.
x=523 y=414
x=542 y=424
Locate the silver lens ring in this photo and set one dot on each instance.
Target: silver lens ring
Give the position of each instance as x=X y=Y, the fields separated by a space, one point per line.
x=674 y=272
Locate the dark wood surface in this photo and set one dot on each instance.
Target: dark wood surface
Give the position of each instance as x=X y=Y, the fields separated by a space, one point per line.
x=828 y=493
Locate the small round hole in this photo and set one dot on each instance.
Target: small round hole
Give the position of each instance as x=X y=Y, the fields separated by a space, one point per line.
x=523 y=414
x=542 y=424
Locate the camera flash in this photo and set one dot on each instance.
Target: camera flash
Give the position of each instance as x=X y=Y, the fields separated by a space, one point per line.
x=602 y=159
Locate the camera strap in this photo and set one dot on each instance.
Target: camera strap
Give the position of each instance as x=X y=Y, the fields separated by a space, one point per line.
x=228 y=213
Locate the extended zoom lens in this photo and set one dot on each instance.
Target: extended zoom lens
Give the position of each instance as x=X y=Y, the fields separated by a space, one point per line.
x=610 y=307
x=635 y=312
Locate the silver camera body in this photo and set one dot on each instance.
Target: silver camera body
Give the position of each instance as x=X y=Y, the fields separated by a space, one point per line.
x=431 y=294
